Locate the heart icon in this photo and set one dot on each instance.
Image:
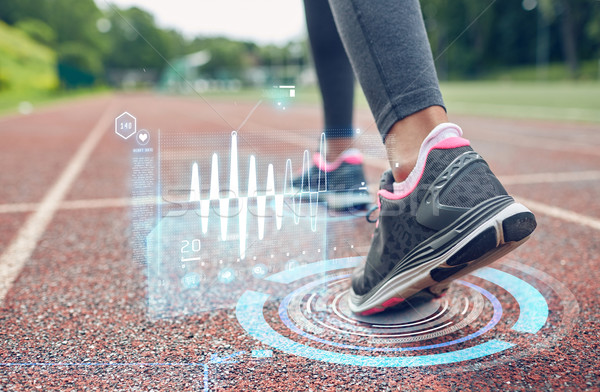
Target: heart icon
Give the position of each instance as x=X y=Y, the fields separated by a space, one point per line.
x=143 y=136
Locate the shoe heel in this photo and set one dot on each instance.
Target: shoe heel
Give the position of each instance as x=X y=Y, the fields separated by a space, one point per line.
x=519 y=226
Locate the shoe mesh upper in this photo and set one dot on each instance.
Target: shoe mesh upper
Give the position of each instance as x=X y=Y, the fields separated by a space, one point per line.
x=472 y=187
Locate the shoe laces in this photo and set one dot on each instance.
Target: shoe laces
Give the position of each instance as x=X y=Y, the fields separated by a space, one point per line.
x=370 y=212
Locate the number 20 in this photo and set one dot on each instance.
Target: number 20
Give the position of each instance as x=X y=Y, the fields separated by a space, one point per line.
x=195 y=245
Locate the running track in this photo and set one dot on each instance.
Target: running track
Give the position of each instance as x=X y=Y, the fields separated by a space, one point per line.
x=73 y=307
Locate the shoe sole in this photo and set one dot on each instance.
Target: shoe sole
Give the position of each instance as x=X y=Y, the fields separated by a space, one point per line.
x=347 y=200
x=483 y=244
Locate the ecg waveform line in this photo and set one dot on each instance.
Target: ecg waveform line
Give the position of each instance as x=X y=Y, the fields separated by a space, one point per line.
x=288 y=191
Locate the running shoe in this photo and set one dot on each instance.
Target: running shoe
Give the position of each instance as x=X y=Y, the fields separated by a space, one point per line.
x=342 y=182
x=450 y=217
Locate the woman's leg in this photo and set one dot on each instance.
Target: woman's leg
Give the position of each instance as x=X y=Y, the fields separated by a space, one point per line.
x=442 y=212
x=343 y=168
x=388 y=47
x=335 y=75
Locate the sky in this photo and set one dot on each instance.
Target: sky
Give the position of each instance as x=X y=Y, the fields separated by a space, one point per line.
x=261 y=21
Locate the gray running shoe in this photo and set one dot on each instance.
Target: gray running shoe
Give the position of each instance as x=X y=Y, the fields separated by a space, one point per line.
x=343 y=179
x=456 y=219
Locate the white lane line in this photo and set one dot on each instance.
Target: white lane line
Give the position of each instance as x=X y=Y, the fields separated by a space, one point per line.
x=524 y=141
x=559 y=213
x=107 y=203
x=21 y=248
x=534 y=178
x=95 y=203
x=528 y=111
x=82 y=204
x=542 y=178
x=17 y=207
x=85 y=204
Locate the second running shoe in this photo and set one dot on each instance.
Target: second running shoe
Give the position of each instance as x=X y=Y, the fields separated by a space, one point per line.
x=343 y=180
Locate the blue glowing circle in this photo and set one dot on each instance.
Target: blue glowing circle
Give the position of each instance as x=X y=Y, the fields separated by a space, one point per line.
x=191 y=280
x=259 y=270
x=283 y=314
x=292 y=265
x=533 y=315
x=226 y=275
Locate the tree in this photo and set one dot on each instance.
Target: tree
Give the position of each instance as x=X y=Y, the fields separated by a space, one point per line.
x=573 y=19
x=136 y=41
x=228 y=58
x=78 y=65
x=38 y=30
x=68 y=27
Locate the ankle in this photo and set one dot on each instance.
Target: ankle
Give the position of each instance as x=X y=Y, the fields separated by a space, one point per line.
x=404 y=140
x=336 y=147
x=436 y=137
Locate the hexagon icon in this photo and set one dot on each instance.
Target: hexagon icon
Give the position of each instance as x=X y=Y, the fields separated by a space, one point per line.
x=125 y=125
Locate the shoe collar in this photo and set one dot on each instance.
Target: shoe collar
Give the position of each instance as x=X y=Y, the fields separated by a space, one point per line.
x=351 y=156
x=417 y=173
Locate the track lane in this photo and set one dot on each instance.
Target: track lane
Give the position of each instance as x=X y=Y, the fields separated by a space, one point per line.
x=79 y=299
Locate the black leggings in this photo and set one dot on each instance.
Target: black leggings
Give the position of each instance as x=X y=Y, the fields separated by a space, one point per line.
x=385 y=43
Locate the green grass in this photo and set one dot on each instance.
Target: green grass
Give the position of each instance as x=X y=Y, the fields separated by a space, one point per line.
x=553 y=72
x=560 y=101
x=24 y=63
x=567 y=101
x=27 y=70
x=10 y=101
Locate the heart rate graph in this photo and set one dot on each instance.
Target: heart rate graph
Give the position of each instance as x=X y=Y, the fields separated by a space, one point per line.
x=231 y=217
x=294 y=194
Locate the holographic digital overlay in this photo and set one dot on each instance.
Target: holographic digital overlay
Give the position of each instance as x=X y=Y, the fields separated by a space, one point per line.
x=498 y=313
x=227 y=216
x=230 y=220
x=280 y=96
x=287 y=195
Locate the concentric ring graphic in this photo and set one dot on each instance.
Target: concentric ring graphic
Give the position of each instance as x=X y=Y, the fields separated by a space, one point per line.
x=315 y=322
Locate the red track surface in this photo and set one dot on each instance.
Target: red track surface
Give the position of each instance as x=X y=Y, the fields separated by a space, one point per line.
x=75 y=316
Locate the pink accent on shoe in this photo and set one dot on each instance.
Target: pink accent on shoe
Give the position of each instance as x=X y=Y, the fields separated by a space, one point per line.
x=389 y=195
x=378 y=207
x=453 y=142
x=353 y=158
x=392 y=302
x=372 y=311
x=446 y=144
